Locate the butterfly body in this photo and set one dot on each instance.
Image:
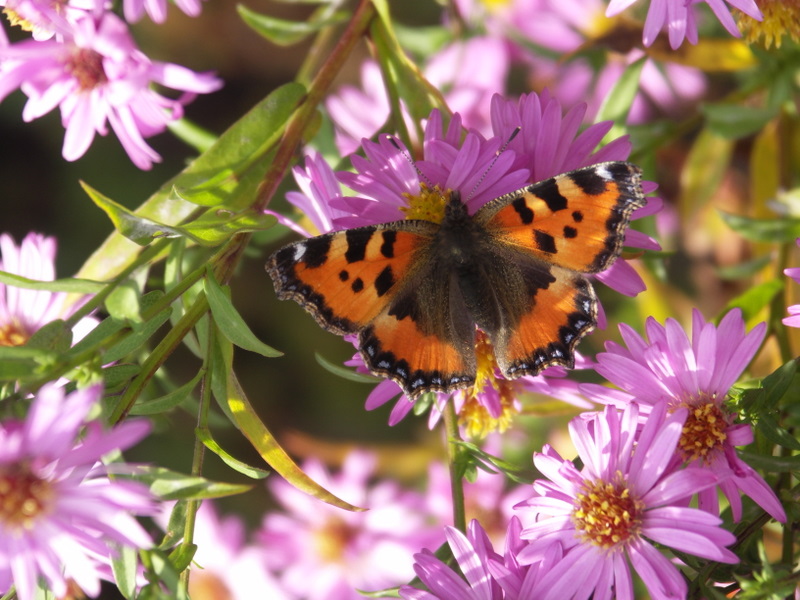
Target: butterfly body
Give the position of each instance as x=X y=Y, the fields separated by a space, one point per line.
x=414 y=291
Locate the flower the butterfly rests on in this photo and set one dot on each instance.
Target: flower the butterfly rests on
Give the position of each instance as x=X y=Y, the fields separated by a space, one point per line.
x=414 y=290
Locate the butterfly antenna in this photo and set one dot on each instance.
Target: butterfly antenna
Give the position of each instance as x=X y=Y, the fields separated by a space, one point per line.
x=494 y=160
x=393 y=141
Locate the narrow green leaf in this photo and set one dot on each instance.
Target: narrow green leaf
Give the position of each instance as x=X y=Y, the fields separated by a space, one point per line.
x=777 y=383
x=618 y=101
x=230 y=323
x=95 y=338
x=192 y=134
x=734 y=121
x=170 y=485
x=123 y=565
x=139 y=335
x=287 y=33
x=123 y=302
x=267 y=446
x=769 y=427
x=754 y=299
x=216 y=227
x=771 y=464
x=117 y=375
x=763 y=230
x=70 y=285
x=744 y=269
x=168 y=401
x=53 y=336
x=205 y=436
x=345 y=372
x=181 y=557
x=166 y=574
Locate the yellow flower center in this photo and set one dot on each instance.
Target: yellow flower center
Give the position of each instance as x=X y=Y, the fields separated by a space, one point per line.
x=606 y=514
x=23 y=498
x=15 y=20
x=87 y=67
x=703 y=431
x=474 y=416
x=494 y=6
x=332 y=539
x=13 y=334
x=780 y=17
x=428 y=205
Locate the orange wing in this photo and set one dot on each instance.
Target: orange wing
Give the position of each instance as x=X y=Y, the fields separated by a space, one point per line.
x=379 y=281
x=576 y=220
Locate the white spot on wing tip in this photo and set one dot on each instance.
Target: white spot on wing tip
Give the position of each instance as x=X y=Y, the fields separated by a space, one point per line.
x=299 y=251
x=604 y=173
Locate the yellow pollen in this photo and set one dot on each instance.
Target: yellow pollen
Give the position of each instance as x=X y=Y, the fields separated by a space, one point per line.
x=15 y=20
x=87 y=67
x=494 y=6
x=428 y=205
x=703 y=432
x=13 y=334
x=474 y=416
x=780 y=17
x=23 y=498
x=332 y=539
x=606 y=514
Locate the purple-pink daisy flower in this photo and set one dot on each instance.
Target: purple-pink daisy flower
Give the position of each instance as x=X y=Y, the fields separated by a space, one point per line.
x=60 y=514
x=321 y=552
x=693 y=374
x=606 y=516
x=793 y=320
x=157 y=9
x=23 y=312
x=97 y=76
x=680 y=19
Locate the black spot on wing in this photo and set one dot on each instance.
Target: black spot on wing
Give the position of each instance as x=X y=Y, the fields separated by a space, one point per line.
x=344 y=275
x=570 y=232
x=577 y=216
x=589 y=180
x=357 y=285
x=547 y=190
x=387 y=248
x=357 y=240
x=544 y=241
x=384 y=281
x=524 y=212
x=316 y=250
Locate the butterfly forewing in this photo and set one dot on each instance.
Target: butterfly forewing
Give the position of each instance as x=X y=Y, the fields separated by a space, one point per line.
x=347 y=278
x=576 y=220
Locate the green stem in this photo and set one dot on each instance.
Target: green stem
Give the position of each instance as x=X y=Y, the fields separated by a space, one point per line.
x=198 y=456
x=454 y=451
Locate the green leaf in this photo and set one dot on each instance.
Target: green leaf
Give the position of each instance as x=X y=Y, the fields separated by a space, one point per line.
x=763 y=230
x=97 y=336
x=286 y=33
x=771 y=464
x=205 y=436
x=216 y=226
x=22 y=362
x=345 y=372
x=168 y=401
x=123 y=302
x=744 y=269
x=53 y=336
x=734 y=121
x=192 y=134
x=123 y=565
x=230 y=323
x=769 y=427
x=71 y=285
x=140 y=334
x=618 y=101
x=165 y=573
x=182 y=556
x=170 y=485
x=118 y=375
x=753 y=300
x=242 y=151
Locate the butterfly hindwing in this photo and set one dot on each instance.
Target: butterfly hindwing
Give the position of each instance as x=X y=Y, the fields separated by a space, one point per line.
x=347 y=278
x=576 y=220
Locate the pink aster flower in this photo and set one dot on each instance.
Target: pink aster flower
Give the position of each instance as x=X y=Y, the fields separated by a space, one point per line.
x=97 y=76
x=549 y=144
x=678 y=16
x=23 y=312
x=60 y=514
x=46 y=18
x=793 y=320
x=693 y=374
x=605 y=517
x=226 y=566
x=469 y=72
x=320 y=552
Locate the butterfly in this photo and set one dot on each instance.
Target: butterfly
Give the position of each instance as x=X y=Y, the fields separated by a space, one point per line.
x=414 y=291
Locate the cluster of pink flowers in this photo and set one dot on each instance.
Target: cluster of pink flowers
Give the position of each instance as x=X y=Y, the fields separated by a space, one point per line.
x=83 y=59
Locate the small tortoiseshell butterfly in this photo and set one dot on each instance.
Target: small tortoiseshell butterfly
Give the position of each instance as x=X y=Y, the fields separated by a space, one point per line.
x=415 y=290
